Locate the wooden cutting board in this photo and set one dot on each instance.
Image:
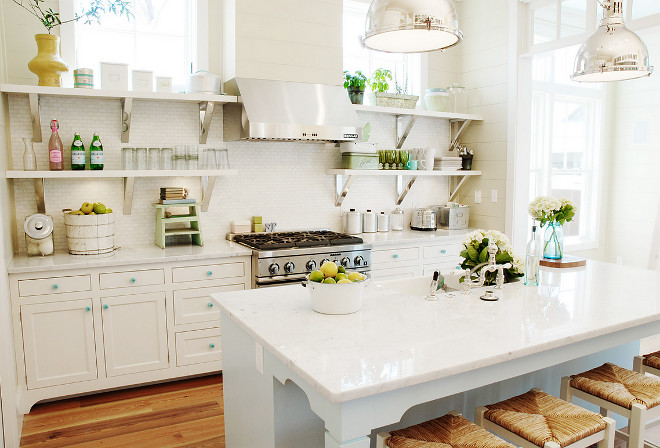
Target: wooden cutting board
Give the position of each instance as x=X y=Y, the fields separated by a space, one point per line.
x=568 y=261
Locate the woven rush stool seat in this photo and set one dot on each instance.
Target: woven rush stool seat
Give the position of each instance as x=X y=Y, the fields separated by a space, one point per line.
x=449 y=431
x=614 y=389
x=537 y=419
x=649 y=363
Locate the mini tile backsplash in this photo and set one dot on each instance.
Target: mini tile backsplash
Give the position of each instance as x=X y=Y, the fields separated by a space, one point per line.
x=282 y=181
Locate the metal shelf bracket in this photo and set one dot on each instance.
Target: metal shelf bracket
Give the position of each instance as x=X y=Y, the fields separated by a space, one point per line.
x=205 y=116
x=126 y=111
x=35 y=113
x=401 y=190
x=129 y=184
x=453 y=192
x=457 y=130
x=342 y=187
x=208 y=182
x=402 y=130
x=40 y=195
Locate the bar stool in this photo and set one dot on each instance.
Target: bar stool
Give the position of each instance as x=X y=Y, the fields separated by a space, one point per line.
x=449 y=431
x=536 y=419
x=648 y=363
x=632 y=395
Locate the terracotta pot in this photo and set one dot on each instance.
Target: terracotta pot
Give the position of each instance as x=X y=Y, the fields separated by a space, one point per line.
x=47 y=64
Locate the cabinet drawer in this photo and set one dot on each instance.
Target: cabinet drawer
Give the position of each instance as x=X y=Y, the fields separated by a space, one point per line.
x=208 y=272
x=442 y=251
x=394 y=273
x=54 y=285
x=195 y=305
x=194 y=347
x=127 y=279
x=394 y=255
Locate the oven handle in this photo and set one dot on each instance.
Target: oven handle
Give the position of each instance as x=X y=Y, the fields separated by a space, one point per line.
x=280 y=278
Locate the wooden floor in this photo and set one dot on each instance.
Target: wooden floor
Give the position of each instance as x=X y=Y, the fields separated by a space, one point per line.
x=185 y=413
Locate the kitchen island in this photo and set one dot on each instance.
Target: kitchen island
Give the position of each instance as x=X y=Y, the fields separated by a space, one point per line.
x=293 y=377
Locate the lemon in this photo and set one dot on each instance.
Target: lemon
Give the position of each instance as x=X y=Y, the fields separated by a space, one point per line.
x=329 y=280
x=355 y=276
x=341 y=276
x=344 y=280
x=316 y=276
x=341 y=269
x=329 y=269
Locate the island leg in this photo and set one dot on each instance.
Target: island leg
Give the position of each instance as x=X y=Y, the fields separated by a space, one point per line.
x=362 y=442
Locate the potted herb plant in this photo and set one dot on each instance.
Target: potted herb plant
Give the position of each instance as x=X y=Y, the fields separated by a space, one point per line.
x=355 y=85
x=380 y=95
x=48 y=65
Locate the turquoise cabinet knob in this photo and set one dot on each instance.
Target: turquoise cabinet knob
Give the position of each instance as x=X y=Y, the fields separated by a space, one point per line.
x=396 y=255
x=88 y=308
x=209 y=273
x=132 y=279
x=105 y=307
x=55 y=286
x=210 y=305
x=443 y=251
x=212 y=345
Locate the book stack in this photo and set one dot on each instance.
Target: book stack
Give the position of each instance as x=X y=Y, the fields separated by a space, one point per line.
x=175 y=195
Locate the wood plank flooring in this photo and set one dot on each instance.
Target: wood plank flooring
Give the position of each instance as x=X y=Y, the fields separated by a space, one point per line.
x=187 y=413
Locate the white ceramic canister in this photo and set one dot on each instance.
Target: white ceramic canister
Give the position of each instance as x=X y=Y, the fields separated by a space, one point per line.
x=369 y=223
x=39 y=234
x=352 y=222
x=396 y=219
x=83 y=78
x=383 y=222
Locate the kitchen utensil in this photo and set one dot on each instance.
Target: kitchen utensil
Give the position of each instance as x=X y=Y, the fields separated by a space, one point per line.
x=411 y=165
x=165 y=158
x=153 y=162
x=203 y=82
x=369 y=222
x=423 y=219
x=352 y=222
x=454 y=216
x=39 y=234
x=128 y=158
x=383 y=222
x=396 y=219
x=404 y=157
x=140 y=158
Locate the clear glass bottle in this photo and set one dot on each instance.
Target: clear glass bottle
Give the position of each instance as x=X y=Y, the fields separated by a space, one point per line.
x=77 y=153
x=55 y=153
x=29 y=157
x=532 y=259
x=96 y=153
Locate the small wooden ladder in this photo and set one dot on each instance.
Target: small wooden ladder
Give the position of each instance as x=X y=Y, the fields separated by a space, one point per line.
x=195 y=229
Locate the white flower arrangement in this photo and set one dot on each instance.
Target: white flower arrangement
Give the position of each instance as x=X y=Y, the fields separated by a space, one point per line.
x=476 y=252
x=548 y=209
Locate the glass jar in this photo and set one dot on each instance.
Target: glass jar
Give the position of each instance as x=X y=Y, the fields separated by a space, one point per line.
x=165 y=158
x=180 y=157
x=436 y=100
x=457 y=98
x=192 y=157
x=128 y=158
x=39 y=235
x=553 y=241
x=140 y=158
x=153 y=162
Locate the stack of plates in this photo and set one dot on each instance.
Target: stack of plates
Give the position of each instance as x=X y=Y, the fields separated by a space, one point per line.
x=447 y=163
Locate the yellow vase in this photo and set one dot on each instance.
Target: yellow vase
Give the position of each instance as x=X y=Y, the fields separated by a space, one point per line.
x=47 y=64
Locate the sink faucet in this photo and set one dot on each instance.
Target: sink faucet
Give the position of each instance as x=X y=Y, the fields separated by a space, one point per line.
x=490 y=266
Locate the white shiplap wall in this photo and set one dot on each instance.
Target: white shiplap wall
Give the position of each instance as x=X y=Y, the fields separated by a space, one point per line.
x=283 y=182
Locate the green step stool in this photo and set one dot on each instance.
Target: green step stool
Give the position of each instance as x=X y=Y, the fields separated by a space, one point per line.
x=195 y=229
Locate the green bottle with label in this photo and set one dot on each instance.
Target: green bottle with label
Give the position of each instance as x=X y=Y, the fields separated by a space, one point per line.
x=96 y=153
x=77 y=153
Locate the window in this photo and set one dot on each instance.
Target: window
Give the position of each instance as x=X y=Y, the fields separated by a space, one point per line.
x=161 y=37
x=405 y=68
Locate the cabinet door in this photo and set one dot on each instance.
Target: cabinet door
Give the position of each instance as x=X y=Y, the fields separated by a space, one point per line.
x=58 y=340
x=134 y=333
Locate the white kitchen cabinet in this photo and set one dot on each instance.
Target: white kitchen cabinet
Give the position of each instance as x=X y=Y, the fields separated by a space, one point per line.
x=59 y=342
x=127 y=279
x=194 y=305
x=208 y=272
x=397 y=273
x=199 y=346
x=54 y=285
x=134 y=333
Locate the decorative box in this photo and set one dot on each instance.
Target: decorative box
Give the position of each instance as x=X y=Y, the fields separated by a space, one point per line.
x=114 y=76
x=143 y=80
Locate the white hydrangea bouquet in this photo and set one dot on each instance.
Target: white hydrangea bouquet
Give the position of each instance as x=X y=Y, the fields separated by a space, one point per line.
x=476 y=253
x=548 y=209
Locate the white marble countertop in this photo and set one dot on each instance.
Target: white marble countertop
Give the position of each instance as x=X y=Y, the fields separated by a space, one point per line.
x=408 y=236
x=399 y=340
x=141 y=254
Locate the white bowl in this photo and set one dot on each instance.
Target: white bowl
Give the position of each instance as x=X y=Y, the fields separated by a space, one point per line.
x=332 y=298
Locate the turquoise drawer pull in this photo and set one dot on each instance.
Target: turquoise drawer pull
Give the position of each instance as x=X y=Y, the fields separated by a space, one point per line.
x=88 y=308
x=55 y=286
x=210 y=305
x=209 y=273
x=105 y=307
x=443 y=251
x=212 y=345
x=396 y=255
x=132 y=279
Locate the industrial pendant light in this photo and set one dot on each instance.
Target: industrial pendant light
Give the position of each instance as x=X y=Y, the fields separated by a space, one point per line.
x=612 y=52
x=411 y=26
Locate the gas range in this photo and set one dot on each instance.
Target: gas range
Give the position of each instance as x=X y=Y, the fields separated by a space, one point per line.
x=281 y=258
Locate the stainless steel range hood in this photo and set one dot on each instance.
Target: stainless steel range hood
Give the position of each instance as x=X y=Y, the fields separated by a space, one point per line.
x=282 y=110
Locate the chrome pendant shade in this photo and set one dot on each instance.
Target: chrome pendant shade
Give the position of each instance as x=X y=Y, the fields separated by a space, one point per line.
x=612 y=52
x=411 y=26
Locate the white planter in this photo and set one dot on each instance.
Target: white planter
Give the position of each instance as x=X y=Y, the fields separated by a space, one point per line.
x=90 y=234
x=343 y=298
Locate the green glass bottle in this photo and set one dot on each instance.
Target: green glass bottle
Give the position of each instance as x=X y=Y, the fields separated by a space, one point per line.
x=77 y=153
x=96 y=153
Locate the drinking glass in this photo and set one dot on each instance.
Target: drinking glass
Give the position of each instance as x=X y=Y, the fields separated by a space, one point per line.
x=141 y=158
x=192 y=157
x=404 y=156
x=390 y=156
x=152 y=158
x=381 y=159
x=180 y=157
x=208 y=159
x=165 y=158
x=222 y=159
x=127 y=158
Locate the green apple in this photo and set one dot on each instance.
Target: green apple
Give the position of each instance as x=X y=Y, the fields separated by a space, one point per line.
x=99 y=208
x=86 y=208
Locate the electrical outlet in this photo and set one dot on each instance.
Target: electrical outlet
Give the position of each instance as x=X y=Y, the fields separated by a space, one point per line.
x=493 y=196
x=477 y=196
x=260 y=357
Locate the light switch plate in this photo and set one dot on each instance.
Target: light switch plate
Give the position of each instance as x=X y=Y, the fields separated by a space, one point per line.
x=477 y=196
x=260 y=357
x=493 y=195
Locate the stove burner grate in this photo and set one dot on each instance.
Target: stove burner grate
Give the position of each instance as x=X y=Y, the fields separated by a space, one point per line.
x=285 y=240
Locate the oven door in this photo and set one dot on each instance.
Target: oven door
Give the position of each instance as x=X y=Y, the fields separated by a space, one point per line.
x=284 y=280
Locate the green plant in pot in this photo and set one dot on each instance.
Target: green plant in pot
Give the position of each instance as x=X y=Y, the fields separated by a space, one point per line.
x=48 y=65
x=355 y=85
x=379 y=82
